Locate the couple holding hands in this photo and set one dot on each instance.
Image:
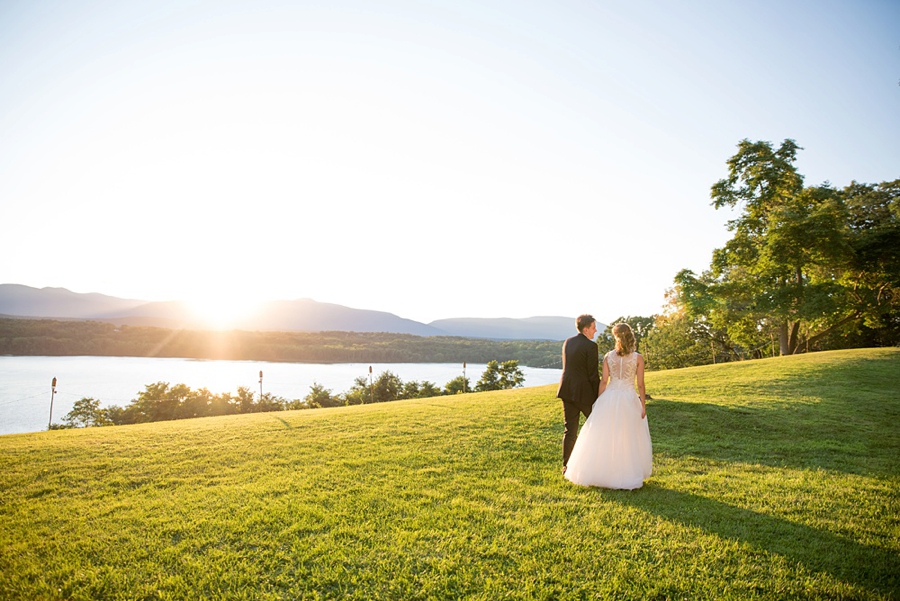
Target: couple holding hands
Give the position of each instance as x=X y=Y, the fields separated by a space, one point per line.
x=613 y=449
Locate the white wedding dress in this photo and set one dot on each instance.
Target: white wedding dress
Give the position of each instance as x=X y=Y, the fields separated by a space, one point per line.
x=613 y=449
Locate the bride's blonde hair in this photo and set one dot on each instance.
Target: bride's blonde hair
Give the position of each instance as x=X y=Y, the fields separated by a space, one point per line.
x=625 y=341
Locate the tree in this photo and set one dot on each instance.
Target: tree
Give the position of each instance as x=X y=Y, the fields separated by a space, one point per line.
x=510 y=375
x=641 y=326
x=410 y=390
x=359 y=393
x=86 y=413
x=428 y=389
x=873 y=275
x=807 y=267
x=269 y=402
x=222 y=404
x=158 y=402
x=500 y=376
x=197 y=403
x=490 y=378
x=457 y=385
x=118 y=415
x=701 y=315
x=681 y=338
x=319 y=396
x=388 y=387
x=243 y=401
x=780 y=271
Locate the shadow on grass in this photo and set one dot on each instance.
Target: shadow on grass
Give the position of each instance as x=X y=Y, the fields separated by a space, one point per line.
x=869 y=567
x=838 y=416
x=286 y=425
x=831 y=434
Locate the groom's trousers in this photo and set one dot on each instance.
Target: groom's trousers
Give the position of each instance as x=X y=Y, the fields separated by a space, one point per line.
x=572 y=412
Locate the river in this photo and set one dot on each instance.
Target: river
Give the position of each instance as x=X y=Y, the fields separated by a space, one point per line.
x=25 y=382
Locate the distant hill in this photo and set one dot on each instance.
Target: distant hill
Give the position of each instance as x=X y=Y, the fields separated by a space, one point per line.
x=301 y=315
x=25 y=301
x=307 y=315
x=504 y=328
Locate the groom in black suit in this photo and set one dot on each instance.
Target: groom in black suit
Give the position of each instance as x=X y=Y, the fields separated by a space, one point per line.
x=579 y=385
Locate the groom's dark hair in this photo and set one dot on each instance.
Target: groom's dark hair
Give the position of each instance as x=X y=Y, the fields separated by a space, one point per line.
x=584 y=321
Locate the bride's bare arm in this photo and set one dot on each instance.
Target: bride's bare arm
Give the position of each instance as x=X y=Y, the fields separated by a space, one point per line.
x=604 y=378
x=640 y=382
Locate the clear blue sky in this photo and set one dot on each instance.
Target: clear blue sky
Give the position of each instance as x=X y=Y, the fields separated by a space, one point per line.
x=431 y=159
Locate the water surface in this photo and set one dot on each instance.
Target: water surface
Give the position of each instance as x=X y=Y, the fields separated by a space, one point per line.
x=25 y=382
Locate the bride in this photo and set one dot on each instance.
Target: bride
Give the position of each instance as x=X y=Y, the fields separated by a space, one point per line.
x=613 y=449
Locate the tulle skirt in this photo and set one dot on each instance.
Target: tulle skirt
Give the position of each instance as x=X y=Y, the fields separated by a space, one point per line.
x=613 y=449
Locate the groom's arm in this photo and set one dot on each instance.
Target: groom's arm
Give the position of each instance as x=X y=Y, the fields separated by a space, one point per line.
x=594 y=366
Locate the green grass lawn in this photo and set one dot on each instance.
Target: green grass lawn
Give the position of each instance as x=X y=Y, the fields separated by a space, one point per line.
x=773 y=479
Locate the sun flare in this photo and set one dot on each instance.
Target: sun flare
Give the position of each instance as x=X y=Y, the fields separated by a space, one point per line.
x=223 y=310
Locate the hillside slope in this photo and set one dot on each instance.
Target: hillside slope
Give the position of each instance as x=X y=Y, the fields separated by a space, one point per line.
x=772 y=479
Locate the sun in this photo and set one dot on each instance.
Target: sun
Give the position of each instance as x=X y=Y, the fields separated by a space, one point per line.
x=222 y=310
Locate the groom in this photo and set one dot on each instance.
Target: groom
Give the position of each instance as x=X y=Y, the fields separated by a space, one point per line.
x=579 y=385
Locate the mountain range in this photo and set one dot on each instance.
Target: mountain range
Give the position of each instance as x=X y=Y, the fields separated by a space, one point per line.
x=301 y=315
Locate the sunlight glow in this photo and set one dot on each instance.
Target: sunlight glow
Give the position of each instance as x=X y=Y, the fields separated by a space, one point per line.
x=222 y=311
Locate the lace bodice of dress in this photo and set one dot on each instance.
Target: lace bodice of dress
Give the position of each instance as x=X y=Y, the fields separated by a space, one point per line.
x=622 y=368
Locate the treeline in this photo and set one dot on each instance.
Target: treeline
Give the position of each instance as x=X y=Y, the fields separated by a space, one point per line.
x=809 y=268
x=163 y=402
x=46 y=337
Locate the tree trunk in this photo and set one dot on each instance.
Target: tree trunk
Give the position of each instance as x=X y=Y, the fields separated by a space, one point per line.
x=783 y=339
x=794 y=342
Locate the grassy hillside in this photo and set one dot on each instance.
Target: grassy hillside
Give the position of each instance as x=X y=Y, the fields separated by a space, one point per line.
x=775 y=479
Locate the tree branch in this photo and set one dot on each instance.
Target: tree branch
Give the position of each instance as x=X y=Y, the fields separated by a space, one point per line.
x=834 y=326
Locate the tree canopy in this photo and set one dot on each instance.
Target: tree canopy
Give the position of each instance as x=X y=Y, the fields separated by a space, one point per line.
x=804 y=264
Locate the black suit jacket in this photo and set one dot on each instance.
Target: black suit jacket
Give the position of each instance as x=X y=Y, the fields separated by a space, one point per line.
x=580 y=379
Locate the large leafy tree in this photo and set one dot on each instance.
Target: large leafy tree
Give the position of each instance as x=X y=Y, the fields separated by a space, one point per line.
x=780 y=273
x=807 y=267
